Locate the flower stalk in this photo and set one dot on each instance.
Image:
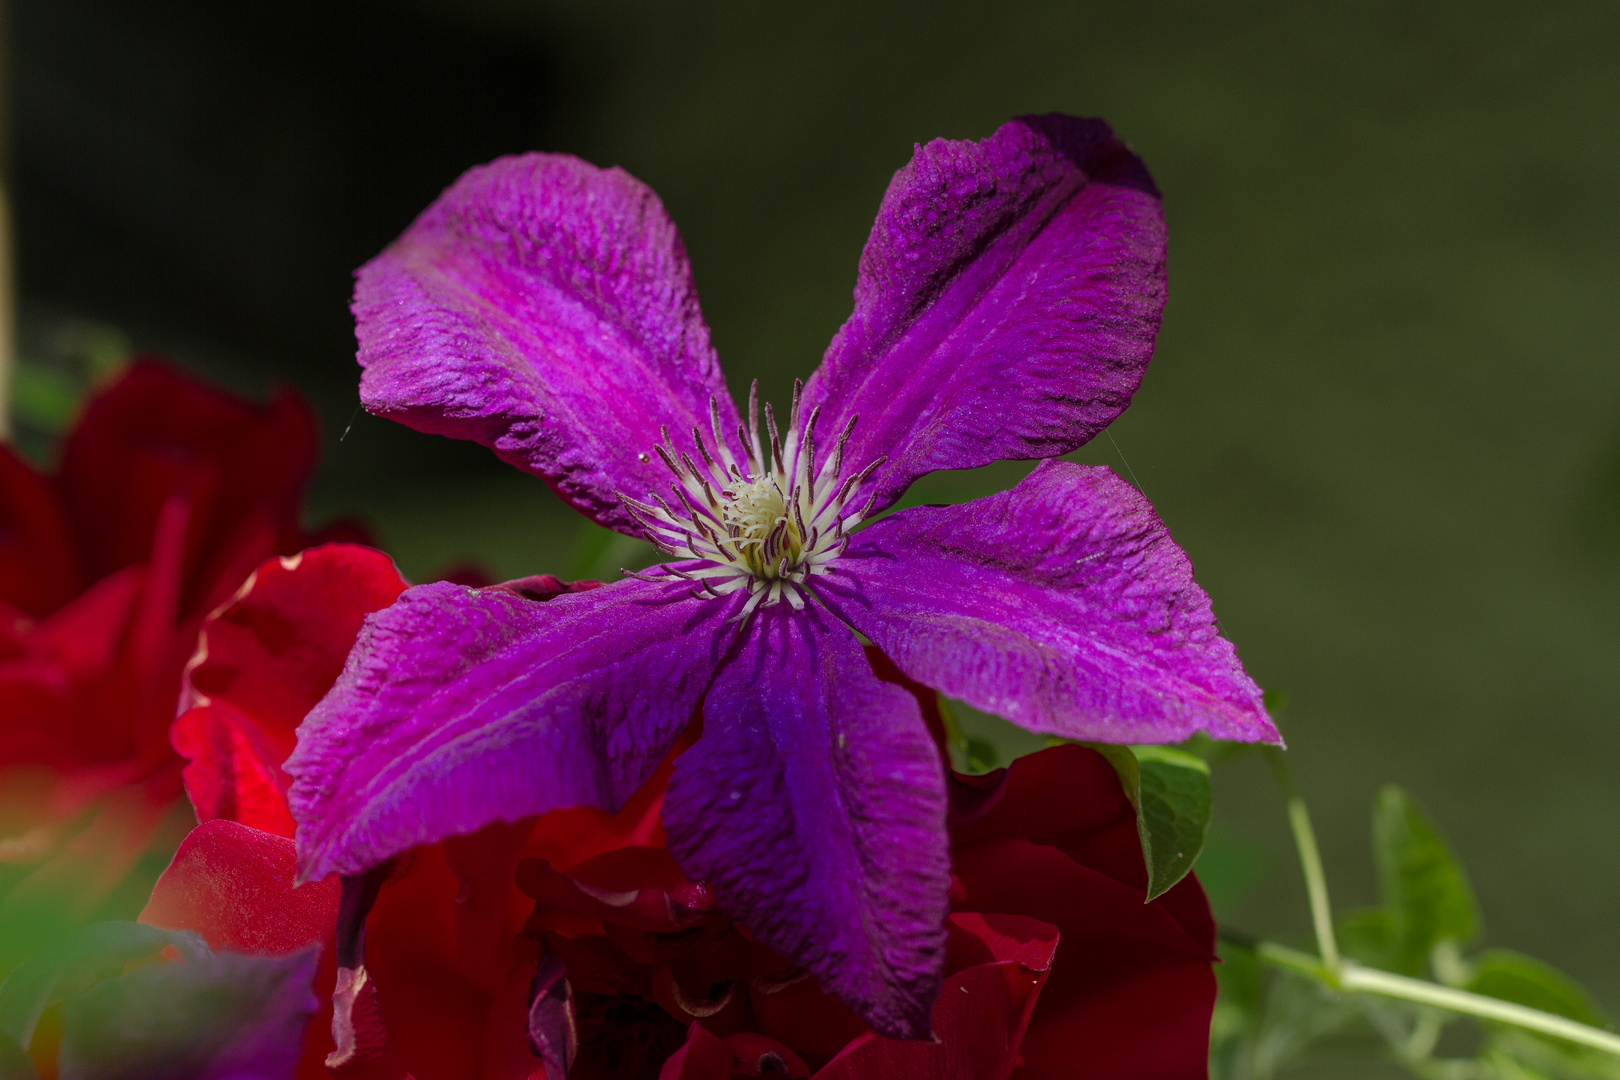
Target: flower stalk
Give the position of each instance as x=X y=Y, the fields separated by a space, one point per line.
x=1310 y=860
x=1347 y=976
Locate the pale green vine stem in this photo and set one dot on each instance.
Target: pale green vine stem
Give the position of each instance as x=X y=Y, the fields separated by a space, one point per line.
x=1310 y=860
x=1354 y=978
x=1348 y=976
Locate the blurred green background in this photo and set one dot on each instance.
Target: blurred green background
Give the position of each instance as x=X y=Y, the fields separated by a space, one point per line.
x=1384 y=416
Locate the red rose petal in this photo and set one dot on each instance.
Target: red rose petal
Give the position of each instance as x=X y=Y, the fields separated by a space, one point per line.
x=157 y=433
x=760 y=1055
x=262 y=662
x=234 y=885
x=1128 y=983
x=38 y=568
x=705 y=1056
x=796 y=1011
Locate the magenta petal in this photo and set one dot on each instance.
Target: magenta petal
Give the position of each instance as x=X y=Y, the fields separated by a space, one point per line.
x=544 y=308
x=1062 y=605
x=1007 y=302
x=814 y=804
x=459 y=707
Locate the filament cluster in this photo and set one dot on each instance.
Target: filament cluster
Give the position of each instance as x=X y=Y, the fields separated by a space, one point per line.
x=767 y=524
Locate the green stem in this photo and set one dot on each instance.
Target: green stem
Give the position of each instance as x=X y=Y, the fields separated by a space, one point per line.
x=1310 y=860
x=1334 y=971
x=1353 y=978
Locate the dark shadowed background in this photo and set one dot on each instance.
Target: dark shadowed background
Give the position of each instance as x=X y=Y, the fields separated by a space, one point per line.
x=1384 y=417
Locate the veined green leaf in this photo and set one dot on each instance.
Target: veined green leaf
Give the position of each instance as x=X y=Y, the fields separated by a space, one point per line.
x=1171 y=792
x=76 y=963
x=1425 y=891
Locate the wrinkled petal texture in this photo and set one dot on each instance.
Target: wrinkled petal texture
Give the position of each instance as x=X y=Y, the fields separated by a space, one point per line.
x=814 y=805
x=1131 y=988
x=459 y=707
x=262 y=663
x=1062 y=605
x=544 y=308
x=1007 y=302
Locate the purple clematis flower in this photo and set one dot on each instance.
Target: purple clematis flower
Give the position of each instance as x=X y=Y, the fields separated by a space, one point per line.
x=1006 y=307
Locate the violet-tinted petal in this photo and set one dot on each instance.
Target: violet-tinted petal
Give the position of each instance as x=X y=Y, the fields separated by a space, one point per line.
x=544 y=308
x=224 y=1017
x=553 y=1037
x=1062 y=605
x=459 y=707
x=1007 y=302
x=814 y=804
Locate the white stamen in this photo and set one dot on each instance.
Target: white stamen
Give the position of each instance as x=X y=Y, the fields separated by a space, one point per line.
x=769 y=523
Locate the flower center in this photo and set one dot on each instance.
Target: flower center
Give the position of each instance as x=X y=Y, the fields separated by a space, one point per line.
x=768 y=524
x=752 y=511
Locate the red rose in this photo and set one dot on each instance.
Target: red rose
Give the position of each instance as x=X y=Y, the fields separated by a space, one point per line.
x=169 y=492
x=1132 y=988
x=444 y=992
x=575 y=938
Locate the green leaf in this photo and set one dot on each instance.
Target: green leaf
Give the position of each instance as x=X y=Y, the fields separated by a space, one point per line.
x=981 y=755
x=981 y=741
x=44 y=397
x=14 y=1061
x=76 y=963
x=212 y=1016
x=1425 y=892
x=1365 y=934
x=1170 y=790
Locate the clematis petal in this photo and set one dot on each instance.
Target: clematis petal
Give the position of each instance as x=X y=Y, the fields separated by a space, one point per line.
x=814 y=804
x=460 y=707
x=1007 y=302
x=1062 y=605
x=544 y=308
